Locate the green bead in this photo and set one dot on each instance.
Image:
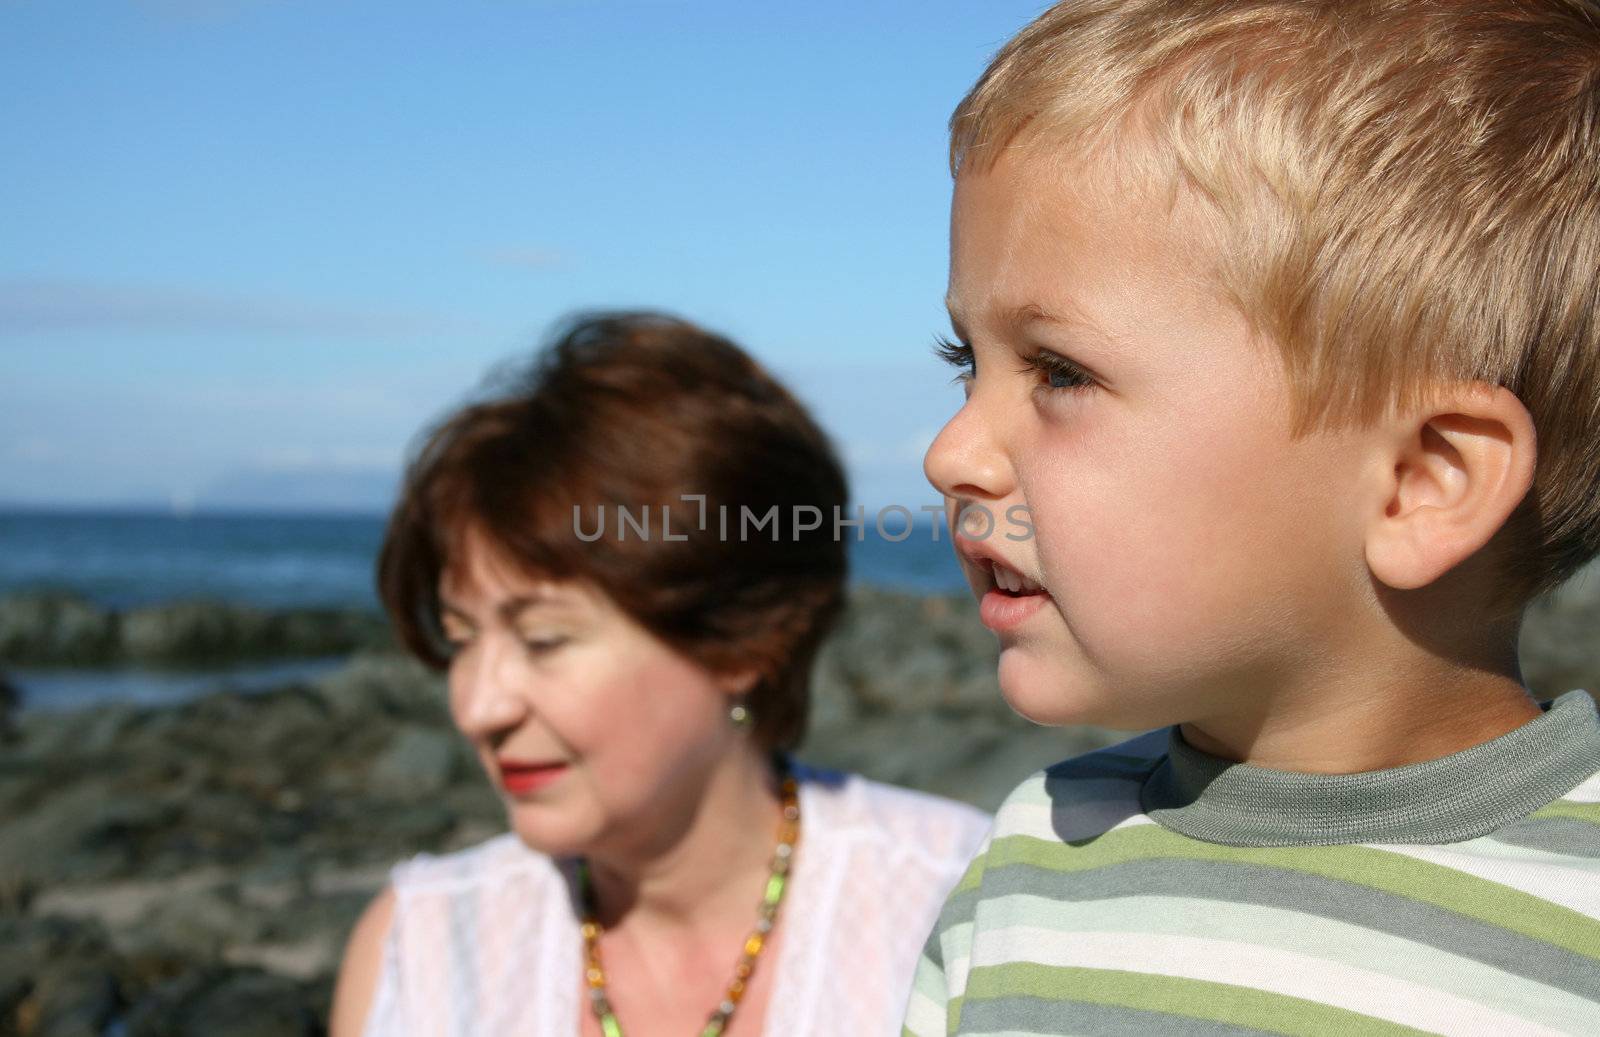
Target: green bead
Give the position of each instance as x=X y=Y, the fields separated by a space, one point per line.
x=774 y=889
x=610 y=1025
x=714 y=1029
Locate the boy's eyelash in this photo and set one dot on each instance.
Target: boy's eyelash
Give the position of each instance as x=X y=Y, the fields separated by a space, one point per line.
x=1050 y=363
x=956 y=354
x=959 y=355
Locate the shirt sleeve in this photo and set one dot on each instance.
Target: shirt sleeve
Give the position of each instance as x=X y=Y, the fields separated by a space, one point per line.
x=933 y=1008
x=384 y=1017
x=927 y=1009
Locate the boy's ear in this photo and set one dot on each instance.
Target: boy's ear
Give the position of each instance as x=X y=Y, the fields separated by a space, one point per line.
x=1455 y=471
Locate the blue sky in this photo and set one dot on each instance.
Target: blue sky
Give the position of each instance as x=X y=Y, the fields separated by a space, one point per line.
x=248 y=248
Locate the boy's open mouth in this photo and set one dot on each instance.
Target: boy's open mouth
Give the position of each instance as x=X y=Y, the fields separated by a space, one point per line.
x=1013 y=583
x=1007 y=598
x=993 y=574
x=1008 y=581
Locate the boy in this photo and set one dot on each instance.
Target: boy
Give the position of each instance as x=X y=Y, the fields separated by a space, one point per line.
x=1279 y=319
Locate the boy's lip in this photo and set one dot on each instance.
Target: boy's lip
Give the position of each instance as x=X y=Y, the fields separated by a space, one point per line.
x=981 y=558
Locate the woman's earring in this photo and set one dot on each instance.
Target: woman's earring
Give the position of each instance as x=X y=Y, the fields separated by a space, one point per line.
x=739 y=714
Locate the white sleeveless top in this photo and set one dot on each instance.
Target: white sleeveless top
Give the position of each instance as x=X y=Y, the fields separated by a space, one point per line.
x=485 y=940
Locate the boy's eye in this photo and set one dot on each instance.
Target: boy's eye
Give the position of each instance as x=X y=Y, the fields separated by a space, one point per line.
x=957 y=355
x=1059 y=372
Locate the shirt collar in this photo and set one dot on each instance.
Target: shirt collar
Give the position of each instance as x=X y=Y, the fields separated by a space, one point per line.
x=1449 y=799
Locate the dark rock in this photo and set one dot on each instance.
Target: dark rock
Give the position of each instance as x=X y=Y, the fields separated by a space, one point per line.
x=279 y=811
x=92 y=830
x=57 y=977
x=59 y=629
x=51 y=627
x=197 y=631
x=896 y=654
x=201 y=633
x=10 y=703
x=74 y=1001
x=17 y=895
x=197 y=924
x=226 y=1002
x=373 y=685
x=419 y=762
x=14 y=991
x=978 y=759
x=1560 y=646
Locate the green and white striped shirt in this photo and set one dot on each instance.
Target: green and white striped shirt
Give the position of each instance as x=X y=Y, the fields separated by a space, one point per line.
x=1150 y=888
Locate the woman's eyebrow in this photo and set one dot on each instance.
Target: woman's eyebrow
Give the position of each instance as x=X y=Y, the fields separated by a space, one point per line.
x=511 y=608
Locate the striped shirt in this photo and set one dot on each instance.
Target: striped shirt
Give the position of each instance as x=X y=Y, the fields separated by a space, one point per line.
x=1150 y=888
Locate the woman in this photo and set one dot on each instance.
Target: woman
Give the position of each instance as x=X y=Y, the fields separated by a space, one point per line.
x=627 y=564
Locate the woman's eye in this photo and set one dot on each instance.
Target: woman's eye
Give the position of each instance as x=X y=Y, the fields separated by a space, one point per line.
x=540 y=645
x=957 y=355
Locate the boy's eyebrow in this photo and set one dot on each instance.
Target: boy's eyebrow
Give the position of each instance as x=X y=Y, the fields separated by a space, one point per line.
x=1019 y=316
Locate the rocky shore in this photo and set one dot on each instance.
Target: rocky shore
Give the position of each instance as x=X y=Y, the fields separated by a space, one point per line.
x=58 y=628
x=193 y=869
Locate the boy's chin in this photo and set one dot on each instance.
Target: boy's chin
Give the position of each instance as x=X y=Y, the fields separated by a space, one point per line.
x=1038 y=688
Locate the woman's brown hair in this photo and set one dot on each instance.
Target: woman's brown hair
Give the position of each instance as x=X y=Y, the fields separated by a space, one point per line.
x=634 y=416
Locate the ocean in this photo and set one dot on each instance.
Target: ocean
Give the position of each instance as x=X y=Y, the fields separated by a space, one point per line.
x=122 y=559
x=284 y=561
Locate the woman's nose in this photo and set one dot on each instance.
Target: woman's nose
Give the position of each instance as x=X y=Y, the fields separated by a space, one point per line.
x=488 y=691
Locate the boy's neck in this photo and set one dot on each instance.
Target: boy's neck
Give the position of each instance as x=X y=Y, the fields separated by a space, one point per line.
x=1371 y=725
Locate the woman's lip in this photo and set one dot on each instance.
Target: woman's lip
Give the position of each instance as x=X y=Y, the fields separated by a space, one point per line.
x=521 y=778
x=507 y=764
x=1000 y=611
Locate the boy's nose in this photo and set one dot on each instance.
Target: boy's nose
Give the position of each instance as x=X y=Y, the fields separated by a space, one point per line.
x=964 y=461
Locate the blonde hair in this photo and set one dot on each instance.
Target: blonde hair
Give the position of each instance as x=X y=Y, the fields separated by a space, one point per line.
x=1407 y=194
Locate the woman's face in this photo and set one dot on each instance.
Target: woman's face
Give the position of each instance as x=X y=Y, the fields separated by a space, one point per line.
x=596 y=733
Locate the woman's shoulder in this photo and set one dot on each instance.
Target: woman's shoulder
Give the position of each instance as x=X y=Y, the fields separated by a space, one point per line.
x=495 y=860
x=851 y=807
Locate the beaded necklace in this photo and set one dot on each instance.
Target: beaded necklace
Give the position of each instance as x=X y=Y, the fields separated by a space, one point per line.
x=777 y=880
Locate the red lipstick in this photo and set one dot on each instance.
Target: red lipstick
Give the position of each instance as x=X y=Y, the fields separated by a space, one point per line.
x=521 y=777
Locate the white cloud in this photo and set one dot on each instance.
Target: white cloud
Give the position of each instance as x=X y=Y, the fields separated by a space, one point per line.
x=35 y=449
x=41 y=305
x=335 y=459
x=531 y=258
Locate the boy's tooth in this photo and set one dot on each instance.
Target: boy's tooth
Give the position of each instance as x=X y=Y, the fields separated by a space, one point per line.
x=1013 y=582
